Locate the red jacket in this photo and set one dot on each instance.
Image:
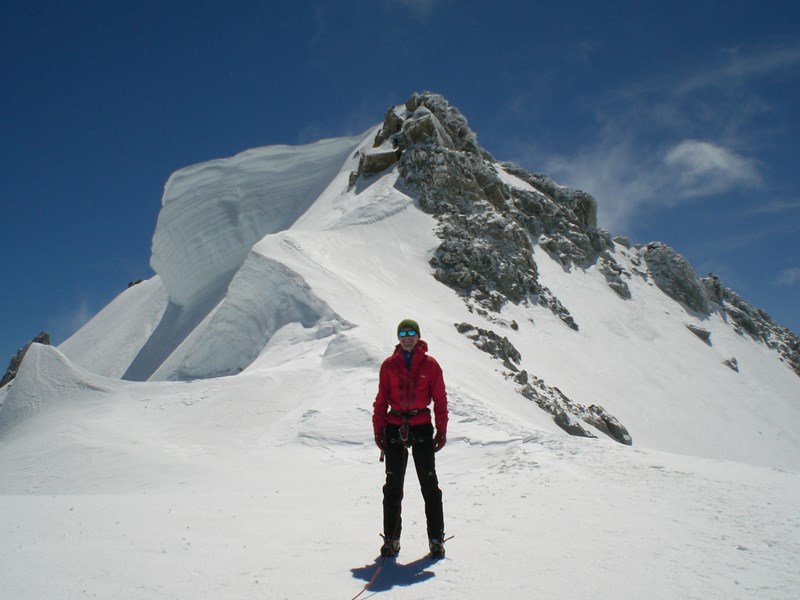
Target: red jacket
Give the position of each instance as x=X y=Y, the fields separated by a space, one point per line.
x=403 y=390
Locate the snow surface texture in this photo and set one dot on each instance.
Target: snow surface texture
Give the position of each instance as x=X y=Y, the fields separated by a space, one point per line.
x=266 y=484
x=213 y=213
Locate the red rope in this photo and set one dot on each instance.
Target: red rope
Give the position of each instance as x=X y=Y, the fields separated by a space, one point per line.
x=371 y=581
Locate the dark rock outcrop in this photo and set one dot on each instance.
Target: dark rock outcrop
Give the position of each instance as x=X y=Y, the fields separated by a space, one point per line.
x=491 y=343
x=566 y=413
x=754 y=322
x=614 y=274
x=488 y=228
x=703 y=334
x=673 y=274
x=16 y=360
x=731 y=363
x=375 y=161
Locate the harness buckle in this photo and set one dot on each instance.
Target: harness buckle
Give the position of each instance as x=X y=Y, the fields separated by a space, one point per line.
x=406 y=437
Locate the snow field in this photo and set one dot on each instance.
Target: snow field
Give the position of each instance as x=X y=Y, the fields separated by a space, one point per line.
x=267 y=483
x=545 y=515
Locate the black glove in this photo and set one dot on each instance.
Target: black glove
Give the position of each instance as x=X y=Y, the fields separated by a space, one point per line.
x=439 y=441
x=381 y=441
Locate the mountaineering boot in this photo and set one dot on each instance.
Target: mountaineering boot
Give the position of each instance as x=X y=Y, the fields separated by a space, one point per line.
x=391 y=546
x=436 y=546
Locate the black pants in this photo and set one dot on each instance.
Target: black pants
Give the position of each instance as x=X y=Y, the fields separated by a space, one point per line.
x=396 y=457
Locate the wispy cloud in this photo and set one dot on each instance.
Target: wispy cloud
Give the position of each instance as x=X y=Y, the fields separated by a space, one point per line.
x=629 y=179
x=673 y=139
x=740 y=68
x=703 y=169
x=624 y=182
x=63 y=325
x=789 y=276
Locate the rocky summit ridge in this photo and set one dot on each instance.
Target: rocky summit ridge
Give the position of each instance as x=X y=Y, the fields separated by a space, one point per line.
x=493 y=219
x=489 y=228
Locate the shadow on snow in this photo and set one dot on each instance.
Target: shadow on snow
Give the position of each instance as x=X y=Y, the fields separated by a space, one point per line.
x=394 y=573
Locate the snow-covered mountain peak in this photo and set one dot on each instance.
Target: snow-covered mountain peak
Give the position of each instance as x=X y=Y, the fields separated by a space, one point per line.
x=341 y=237
x=210 y=429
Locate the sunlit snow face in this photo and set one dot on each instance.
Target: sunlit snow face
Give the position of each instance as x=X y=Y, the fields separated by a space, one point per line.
x=408 y=339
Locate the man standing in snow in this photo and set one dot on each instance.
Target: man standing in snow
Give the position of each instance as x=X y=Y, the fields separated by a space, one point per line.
x=409 y=381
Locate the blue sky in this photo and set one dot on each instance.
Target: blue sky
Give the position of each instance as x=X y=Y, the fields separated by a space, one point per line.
x=680 y=117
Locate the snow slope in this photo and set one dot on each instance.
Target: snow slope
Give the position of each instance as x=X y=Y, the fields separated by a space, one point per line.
x=93 y=348
x=638 y=359
x=212 y=213
x=211 y=216
x=267 y=484
x=245 y=466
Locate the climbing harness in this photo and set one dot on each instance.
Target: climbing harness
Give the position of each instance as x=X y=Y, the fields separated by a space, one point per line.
x=406 y=435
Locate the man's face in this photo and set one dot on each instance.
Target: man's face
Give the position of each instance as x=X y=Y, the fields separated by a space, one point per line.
x=408 y=339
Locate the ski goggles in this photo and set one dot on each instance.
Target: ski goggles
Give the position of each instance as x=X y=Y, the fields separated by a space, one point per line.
x=407 y=332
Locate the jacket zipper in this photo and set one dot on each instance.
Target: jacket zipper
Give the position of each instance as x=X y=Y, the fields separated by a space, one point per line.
x=410 y=393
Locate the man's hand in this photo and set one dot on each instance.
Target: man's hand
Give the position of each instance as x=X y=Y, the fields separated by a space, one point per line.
x=439 y=441
x=381 y=441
